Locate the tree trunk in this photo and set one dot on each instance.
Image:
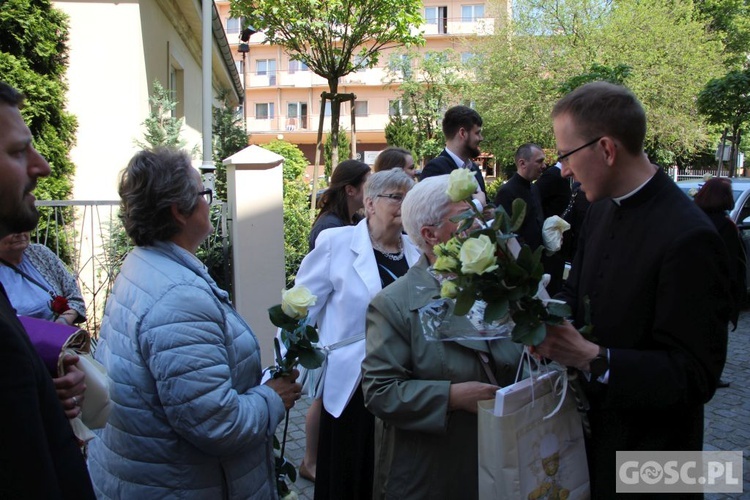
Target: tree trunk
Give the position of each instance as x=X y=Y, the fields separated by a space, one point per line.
x=722 y=145
x=333 y=86
x=733 y=152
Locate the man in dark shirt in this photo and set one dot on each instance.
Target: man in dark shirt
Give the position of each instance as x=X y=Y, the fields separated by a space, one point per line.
x=462 y=127
x=529 y=164
x=39 y=455
x=554 y=195
x=653 y=271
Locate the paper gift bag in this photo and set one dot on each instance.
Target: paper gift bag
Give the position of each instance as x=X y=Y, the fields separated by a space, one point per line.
x=524 y=455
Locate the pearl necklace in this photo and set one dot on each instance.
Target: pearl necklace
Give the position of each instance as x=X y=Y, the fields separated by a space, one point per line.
x=388 y=255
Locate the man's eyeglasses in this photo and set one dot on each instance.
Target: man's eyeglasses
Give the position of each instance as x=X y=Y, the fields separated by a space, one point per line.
x=561 y=158
x=208 y=195
x=394 y=197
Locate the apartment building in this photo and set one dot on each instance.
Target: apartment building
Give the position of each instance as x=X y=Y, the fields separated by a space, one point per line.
x=282 y=97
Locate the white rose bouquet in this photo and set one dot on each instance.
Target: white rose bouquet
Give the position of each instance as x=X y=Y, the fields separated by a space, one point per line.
x=483 y=269
x=298 y=338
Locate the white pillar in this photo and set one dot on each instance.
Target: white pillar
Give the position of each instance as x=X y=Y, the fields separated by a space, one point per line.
x=255 y=196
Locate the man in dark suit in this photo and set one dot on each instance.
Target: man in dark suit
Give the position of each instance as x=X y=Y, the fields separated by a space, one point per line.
x=39 y=455
x=654 y=273
x=462 y=127
x=554 y=194
x=529 y=164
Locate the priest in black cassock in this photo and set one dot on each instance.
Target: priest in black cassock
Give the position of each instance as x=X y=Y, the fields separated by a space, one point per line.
x=529 y=164
x=655 y=272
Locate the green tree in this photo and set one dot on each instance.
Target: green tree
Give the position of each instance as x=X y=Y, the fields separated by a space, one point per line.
x=334 y=37
x=401 y=132
x=162 y=127
x=597 y=72
x=33 y=59
x=428 y=84
x=726 y=102
x=296 y=212
x=730 y=19
x=229 y=137
x=547 y=44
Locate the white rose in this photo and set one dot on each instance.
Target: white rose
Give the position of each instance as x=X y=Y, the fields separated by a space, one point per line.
x=552 y=233
x=478 y=255
x=462 y=184
x=296 y=300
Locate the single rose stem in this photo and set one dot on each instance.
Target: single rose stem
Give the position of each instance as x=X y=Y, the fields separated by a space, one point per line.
x=283 y=442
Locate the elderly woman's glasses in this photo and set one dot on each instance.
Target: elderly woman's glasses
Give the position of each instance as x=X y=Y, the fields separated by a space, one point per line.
x=208 y=195
x=394 y=197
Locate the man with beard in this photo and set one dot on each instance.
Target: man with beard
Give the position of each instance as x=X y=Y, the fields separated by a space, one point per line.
x=462 y=127
x=651 y=277
x=39 y=455
x=529 y=164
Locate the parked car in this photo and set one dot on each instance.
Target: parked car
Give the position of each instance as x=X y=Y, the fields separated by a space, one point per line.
x=740 y=214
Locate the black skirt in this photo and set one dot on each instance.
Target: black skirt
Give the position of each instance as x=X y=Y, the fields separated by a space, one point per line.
x=346 y=454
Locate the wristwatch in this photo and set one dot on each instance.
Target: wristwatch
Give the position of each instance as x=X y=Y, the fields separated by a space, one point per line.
x=600 y=364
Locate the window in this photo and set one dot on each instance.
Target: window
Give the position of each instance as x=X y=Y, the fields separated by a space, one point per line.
x=177 y=89
x=296 y=114
x=297 y=66
x=470 y=13
x=398 y=107
x=360 y=108
x=240 y=65
x=264 y=110
x=361 y=63
x=437 y=16
x=466 y=57
x=327 y=109
x=233 y=25
x=400 y=63
x=265 y=67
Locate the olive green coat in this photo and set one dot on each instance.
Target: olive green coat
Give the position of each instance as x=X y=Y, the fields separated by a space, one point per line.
x=406 y=381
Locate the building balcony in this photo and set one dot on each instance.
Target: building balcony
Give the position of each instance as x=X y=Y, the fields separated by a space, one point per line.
x=458 y=26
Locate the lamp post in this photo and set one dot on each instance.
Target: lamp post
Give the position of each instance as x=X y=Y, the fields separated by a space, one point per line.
x=244 y=49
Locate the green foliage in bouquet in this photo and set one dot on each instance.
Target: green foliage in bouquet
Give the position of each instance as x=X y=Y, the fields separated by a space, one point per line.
x=479 y=264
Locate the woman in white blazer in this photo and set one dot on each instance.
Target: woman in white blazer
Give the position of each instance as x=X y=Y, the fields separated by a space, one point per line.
x=348 y=266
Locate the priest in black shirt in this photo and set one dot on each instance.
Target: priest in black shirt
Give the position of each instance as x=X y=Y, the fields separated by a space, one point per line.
x=655 y=272
x=529 y=165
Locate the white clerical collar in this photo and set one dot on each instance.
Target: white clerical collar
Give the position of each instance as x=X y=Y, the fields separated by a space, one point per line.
x=624 y=197
x=459 y=162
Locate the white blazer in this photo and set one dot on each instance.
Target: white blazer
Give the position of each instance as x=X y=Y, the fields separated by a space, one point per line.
x=343 y=273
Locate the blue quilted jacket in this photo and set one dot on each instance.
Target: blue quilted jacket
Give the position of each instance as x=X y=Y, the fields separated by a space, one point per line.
x=190 y=419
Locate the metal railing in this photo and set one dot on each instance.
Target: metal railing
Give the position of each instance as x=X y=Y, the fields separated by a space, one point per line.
x=88 y=236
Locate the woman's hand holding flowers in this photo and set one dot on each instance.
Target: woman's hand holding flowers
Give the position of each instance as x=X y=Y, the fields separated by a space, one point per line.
x=287 y=388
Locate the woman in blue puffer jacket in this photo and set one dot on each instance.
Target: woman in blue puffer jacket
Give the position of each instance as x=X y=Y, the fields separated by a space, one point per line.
x=190 y=417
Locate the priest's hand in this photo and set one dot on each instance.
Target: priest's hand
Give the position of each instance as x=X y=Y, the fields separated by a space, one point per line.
x=567 y=346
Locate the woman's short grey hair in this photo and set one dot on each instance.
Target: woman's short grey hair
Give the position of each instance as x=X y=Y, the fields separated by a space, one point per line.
x=425 y=205
x=387 y=180
x=153 y=181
